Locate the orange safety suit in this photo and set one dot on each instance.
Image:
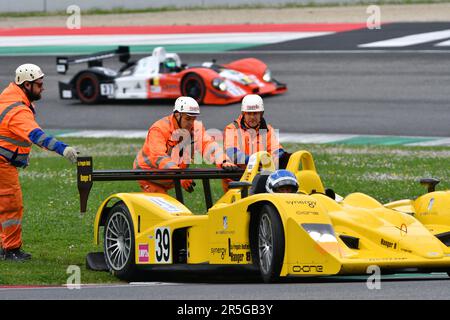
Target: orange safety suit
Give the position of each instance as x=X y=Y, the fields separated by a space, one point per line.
x=18 y=131
x=240 y=142
x=16 y=123
x=169 y=147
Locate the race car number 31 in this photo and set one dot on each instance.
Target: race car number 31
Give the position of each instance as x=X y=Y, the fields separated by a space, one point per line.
x=106 y=89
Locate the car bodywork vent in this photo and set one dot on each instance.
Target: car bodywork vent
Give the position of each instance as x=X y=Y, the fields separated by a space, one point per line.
x=351 y=242
x=445 y=238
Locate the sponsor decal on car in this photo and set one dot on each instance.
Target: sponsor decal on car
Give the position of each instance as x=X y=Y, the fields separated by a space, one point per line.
x=403 y=229
x=225 y=222
x=221 y=251
x=307 y=212
x=388 y=244
x=143 y=252
x=155 y=89
x=233 y=89
x=164 y=204
x=308 y=268
x=309 y=203
x=430 y=204
x=386 y=259
x=239 y=257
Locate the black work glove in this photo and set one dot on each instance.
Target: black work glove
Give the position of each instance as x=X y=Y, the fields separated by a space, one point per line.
x=229 y=167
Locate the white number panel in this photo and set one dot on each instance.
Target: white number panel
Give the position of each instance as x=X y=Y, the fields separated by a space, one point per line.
x=162 y=245
x=106 y=89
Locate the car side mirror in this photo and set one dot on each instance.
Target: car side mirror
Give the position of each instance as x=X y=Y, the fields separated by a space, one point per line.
x=430 y=183
x=243 y=185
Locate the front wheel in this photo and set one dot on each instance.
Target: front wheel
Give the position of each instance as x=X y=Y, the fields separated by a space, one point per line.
x=119 y=248
x=194 y=87
x=268 y=243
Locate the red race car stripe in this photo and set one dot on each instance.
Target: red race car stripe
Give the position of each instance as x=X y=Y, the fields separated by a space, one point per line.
x=243 y=28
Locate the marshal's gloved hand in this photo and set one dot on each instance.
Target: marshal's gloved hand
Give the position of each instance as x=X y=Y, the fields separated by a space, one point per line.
x=70 y=154
x=229 y=167
x=188 y=185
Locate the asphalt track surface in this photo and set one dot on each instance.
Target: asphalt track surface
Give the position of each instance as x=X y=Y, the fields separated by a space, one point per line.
x=391 y=92
x=338 y=90
x=356 y=93
x=406 y=287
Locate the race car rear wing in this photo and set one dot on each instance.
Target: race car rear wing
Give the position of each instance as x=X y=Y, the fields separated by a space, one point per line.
x=86 y=177
x=93 y=60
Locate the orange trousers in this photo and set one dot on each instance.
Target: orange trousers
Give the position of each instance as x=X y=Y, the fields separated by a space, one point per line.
x=11 y=207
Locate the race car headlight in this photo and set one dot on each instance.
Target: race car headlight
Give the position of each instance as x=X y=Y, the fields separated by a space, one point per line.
x=219 y=84
x=320 y=232
x=267 y=77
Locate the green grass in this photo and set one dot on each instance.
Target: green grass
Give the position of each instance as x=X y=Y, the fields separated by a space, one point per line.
x=310 y=4
x=57 y=236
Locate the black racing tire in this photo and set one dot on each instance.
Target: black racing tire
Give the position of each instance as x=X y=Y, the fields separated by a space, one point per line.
x=118 y=244
x=193 y=86
x=87 y=87
x=267 y=243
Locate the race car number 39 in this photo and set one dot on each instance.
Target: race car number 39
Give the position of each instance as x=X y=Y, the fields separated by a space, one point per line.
x=162 y=245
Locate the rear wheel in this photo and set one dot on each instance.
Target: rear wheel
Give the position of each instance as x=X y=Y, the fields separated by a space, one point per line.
x=193 y=86
x=118 y=243
x=268 y=243
x=88 y=87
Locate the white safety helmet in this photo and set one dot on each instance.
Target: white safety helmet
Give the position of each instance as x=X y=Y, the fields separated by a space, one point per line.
x=28 y=72
x=187 y=105
x=252 y=103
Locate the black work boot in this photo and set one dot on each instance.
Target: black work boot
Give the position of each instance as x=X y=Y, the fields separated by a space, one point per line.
x=16 y=255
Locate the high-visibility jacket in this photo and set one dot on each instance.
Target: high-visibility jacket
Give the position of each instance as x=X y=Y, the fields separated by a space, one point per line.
x=241 y=142
x=19 y=129
x=169 y=147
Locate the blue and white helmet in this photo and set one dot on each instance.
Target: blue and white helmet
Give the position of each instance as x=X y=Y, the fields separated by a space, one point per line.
x=281 y=178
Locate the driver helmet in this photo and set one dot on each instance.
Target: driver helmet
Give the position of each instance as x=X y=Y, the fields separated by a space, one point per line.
x=170 y=63
x=279 y=179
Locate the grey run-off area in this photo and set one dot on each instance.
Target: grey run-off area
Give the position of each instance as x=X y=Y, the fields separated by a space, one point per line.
x=61 y=5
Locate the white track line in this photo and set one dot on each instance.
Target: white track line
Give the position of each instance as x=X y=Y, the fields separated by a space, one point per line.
x=409 y=40
x=160 y=39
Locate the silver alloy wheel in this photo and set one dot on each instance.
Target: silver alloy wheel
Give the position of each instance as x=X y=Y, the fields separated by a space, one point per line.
x=265 y=243
x=118 y=241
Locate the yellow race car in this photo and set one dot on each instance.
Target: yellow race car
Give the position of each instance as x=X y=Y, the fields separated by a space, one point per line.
x=313 y=232
x=430 y=209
